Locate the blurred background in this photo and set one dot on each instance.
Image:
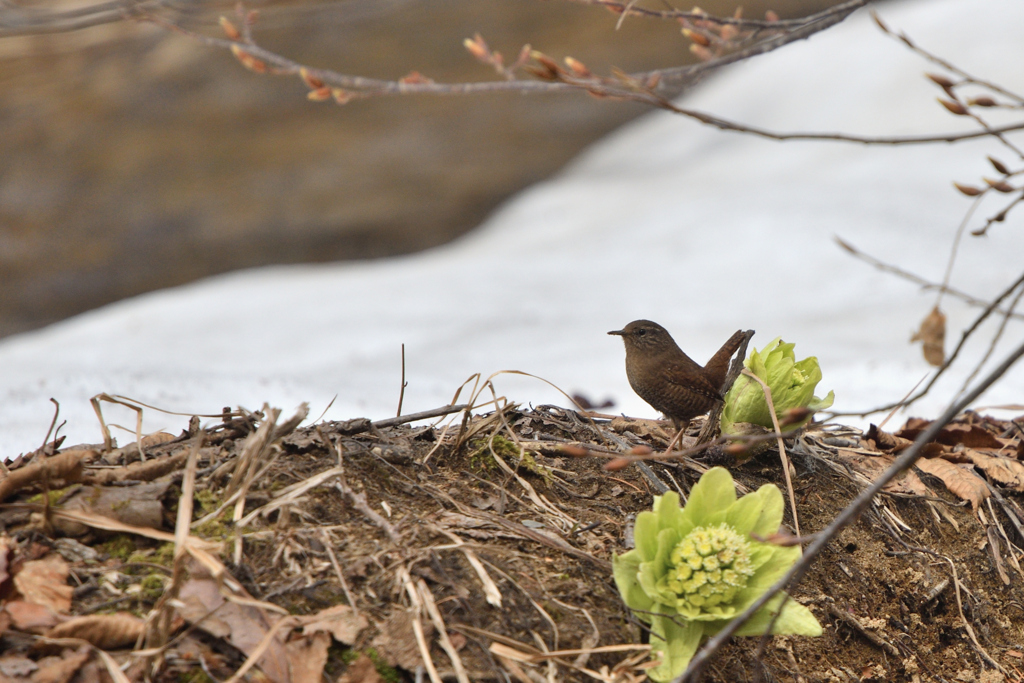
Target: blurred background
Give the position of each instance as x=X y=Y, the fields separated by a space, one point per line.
x=133 y=159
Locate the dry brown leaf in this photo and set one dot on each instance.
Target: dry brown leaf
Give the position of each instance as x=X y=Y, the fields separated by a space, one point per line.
x=44 y=582
x=640 y=427
x=868 y=465
x=105 y=631
x=884 y=441
x=362 y=670
x=307 y=657
x=14 y=666
x=5 y=556
x=340 y=621
x=959 y=479
x=932 y=335
x=28 y=616
x=90 y=673
x=969 y=435
x=871 y=466
x=61 y=669
x=1006 y=471
x=244 y=626
x=909 y=483
x=396 y=641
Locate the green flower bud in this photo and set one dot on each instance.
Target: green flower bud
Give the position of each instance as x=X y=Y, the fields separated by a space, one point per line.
x=709 y=566
x=695 y=568
x=791 y=382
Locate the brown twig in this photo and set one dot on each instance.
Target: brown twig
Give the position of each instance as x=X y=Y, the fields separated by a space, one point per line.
x=917 y=279
x=993 y=305
x=629 y=8
x=935 y=59
x=424 y=415
x=401 y=392
x=358 y=501
x=871 y=636
x=66 y=466
x=328 y=542
x=995 y=340
x=781 y=444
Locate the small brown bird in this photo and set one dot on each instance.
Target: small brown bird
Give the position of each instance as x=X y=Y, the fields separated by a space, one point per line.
x=661 y=374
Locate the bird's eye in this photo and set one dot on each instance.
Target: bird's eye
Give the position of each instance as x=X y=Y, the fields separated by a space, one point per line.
x=641 y=332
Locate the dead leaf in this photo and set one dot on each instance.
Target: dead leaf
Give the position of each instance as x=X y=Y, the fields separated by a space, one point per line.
x=16 y=667
x=959 y=479
x=362 y=670
x=244 y=626
x=28 y=616
x=884 y=441
x=968 y=435
x=640 y=427
x=1006 y=471
x=396 y=641
x=932 y=335
x=5 y=557
x=340 y=621
x=307 y=657
x=90 y=673
x=61 y=669
x=910 y=484
x=44 y=582
x=105 y=631
x=871 y=466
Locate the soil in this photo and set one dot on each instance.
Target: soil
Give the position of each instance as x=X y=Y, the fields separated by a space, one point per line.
x=922 y=587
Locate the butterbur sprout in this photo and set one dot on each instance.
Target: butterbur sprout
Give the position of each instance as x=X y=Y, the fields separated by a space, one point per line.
x=696 y=568
x=792 y=384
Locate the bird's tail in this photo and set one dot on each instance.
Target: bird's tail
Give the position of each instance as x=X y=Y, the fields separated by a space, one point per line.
x=717 y=368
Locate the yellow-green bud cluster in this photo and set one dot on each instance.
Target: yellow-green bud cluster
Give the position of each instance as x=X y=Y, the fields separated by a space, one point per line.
x=709 y=566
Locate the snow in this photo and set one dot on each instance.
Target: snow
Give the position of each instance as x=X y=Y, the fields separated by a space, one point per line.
x=700 y=230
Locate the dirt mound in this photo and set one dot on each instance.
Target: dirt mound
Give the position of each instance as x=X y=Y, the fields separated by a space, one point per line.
x=480 y=550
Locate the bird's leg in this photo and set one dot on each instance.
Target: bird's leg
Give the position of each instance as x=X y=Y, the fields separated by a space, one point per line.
x=681 y=426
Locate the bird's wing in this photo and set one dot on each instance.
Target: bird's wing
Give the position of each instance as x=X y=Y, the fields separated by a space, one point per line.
x=695 y=380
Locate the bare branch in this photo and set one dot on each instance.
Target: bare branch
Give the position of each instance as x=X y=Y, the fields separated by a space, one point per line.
x=19 y=21
x=917 y=279
x=948 y=66
x=952 y=357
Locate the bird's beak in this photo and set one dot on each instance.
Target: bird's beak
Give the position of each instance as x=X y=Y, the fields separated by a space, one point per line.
x=619 y=333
